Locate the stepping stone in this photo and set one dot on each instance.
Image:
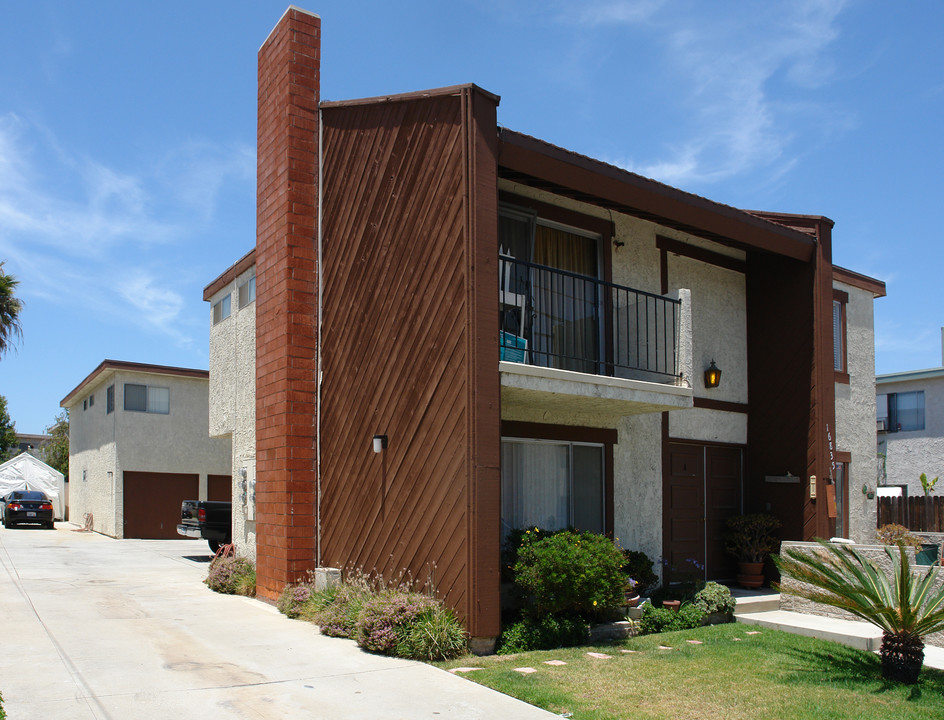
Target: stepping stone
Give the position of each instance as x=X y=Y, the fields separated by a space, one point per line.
x=525 y=670
x=694 y=642
x=463 y=670
x=554 y=662
x=599 y=656
x=752 y=632
x=736 y=639
x=631 y=652
x=664 y=647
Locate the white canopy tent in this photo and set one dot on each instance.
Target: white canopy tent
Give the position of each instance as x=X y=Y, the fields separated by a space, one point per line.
x=24 y=472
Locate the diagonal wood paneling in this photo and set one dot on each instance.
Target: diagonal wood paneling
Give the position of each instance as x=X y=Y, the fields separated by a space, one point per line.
x=399 y=355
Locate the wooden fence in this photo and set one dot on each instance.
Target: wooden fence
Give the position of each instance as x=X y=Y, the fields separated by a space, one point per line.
x=919 y=514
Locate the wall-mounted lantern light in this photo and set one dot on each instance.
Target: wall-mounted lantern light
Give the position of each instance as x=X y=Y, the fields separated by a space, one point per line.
x=380 y=443
x=712 y=375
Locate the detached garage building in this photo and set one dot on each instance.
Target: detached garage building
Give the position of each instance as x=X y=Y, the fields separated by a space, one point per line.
x=139 y=445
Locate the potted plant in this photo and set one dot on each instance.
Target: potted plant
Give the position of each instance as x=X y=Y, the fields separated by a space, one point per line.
x=929 y=553
x=750 y=539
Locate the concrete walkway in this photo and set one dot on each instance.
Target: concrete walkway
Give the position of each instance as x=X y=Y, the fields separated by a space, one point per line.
x=95 y=628
x=763 y=608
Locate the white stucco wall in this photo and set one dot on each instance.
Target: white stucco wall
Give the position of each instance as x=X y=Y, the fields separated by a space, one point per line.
x=855 y=411
x=105 y=445
x=910 y=453
x=233 y=405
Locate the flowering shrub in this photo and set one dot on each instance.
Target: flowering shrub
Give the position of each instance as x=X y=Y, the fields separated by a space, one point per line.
x=544 y=632
x=382 y=616
x=570 y=572
x=434 y=634
x=339 y=609
x=232 y=576
x=293 y=599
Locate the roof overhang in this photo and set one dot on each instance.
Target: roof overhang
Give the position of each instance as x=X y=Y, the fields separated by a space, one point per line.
x=114 y=365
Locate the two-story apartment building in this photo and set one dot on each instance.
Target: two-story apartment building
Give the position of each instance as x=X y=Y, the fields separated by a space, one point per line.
x=139 y=446
x=910 y=419
x=460 y=329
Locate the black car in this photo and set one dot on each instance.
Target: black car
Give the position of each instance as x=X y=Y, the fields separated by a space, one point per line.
x=27 y=506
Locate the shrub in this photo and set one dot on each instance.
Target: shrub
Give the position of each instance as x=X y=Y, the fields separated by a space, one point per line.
x=892 y=534
x=232 y=576
x=661 y=619
x=382 y=616
x=543 y=633
x=638 y=566
x=570 y=572
x=514 y=541
x=293 y=598
x=434 y=634
x=339 y=609
x=751 y=538
x=714 y=598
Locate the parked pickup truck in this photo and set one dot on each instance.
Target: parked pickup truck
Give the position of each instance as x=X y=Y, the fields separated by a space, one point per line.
x=210 y=520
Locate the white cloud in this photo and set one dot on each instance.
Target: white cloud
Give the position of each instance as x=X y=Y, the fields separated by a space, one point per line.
x=160 y=306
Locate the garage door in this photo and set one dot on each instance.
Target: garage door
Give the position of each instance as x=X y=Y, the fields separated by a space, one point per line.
x=220 y=488
x=152 y=503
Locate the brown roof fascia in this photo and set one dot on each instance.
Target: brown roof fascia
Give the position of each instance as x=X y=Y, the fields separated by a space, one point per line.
x=126 y=366
x=410 y=96
x=230 y=274
x=808 y=224
x=539 y=164
x=858 y=280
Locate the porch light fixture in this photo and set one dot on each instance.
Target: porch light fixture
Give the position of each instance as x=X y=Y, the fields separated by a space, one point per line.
x=712 y=375
x=380 y=443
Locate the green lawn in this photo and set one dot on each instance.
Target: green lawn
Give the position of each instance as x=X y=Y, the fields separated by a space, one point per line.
x=733 y=673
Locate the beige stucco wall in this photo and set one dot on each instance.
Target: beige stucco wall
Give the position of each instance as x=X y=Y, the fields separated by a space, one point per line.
x=233 y=406
x=910 y=453
x=105 y=445
x=855 y=411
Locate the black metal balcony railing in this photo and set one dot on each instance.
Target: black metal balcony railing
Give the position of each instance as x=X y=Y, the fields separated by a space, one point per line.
x=559 y=319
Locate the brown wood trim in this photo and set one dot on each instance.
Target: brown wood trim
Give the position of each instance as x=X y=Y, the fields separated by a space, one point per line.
x=123 y=366
x=562 y=215
x=842 y=456
x=840 y=295
x=573 y=433
x=230 y=274
x=841 y=377
x=677 y=247
x=664 y=271
x=843 y=299
x=447 y=91
x=857 y=280
x=725 y=405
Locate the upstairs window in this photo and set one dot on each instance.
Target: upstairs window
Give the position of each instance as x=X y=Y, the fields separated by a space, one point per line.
x=110 y=400
x=840 y=365
x=146 y=398
x=247 y=292
x=900 y=412
x=222 y=308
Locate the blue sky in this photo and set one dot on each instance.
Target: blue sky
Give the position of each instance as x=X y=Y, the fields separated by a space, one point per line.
x=127 y=141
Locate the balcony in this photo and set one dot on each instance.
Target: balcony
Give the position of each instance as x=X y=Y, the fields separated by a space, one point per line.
x=574 y=347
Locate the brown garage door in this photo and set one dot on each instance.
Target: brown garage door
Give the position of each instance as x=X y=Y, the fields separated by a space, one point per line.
x=702 y=489
x=152 y=503
x=220 y=488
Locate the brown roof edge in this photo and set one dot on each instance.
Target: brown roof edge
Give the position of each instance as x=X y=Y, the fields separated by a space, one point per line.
x=417 y=95
x=542 y=160
x=801 y=223
x=858 y=280
x=230 y=274
x=127 y=366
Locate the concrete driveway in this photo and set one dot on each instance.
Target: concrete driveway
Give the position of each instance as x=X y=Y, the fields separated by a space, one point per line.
x=125 y=630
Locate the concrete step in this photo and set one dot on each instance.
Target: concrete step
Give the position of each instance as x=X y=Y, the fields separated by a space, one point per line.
x=757 y=603
x=856 y=634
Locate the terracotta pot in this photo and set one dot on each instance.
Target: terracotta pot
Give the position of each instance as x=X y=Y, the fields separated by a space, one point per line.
x=632 y=600
x=672 y=604
x=751 y=575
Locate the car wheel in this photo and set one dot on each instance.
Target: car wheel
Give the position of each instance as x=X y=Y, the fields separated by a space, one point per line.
x=214 y=546
x=51 y=525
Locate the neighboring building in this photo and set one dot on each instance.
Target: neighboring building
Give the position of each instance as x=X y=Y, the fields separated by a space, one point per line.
x=33 y=444
x=139 y=446
x=910 y=418
x=399 y=426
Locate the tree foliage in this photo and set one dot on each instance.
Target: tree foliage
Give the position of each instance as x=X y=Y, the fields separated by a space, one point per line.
x=56 y=451
x=10 y=307
x=8 y=444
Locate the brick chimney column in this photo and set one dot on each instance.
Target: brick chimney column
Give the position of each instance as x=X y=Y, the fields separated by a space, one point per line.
x=286 y=304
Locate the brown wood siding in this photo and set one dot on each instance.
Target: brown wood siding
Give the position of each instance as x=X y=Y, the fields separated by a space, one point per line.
x=410 y=346
x=780 y=371
x=151 y=503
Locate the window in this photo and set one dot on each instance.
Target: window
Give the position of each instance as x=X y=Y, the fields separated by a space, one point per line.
x=552 y=485
x=222 y=308
x=85 y=405
x=110 y=400
x=900 y=412
x=247 y=292
x=840 y=300
x=91 y=400
x=145 y=398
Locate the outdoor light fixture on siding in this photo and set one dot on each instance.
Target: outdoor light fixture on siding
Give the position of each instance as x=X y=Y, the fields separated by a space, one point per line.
x=712 y=375
x=380 y=443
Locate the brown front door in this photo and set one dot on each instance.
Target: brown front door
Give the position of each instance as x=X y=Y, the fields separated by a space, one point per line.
x=152 y=503
x=702 y=489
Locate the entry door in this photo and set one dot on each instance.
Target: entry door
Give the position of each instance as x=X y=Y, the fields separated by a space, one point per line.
x=701 y=490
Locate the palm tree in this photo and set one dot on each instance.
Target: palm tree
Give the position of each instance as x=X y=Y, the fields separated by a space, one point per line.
x=10 y=307
x=906 y=606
